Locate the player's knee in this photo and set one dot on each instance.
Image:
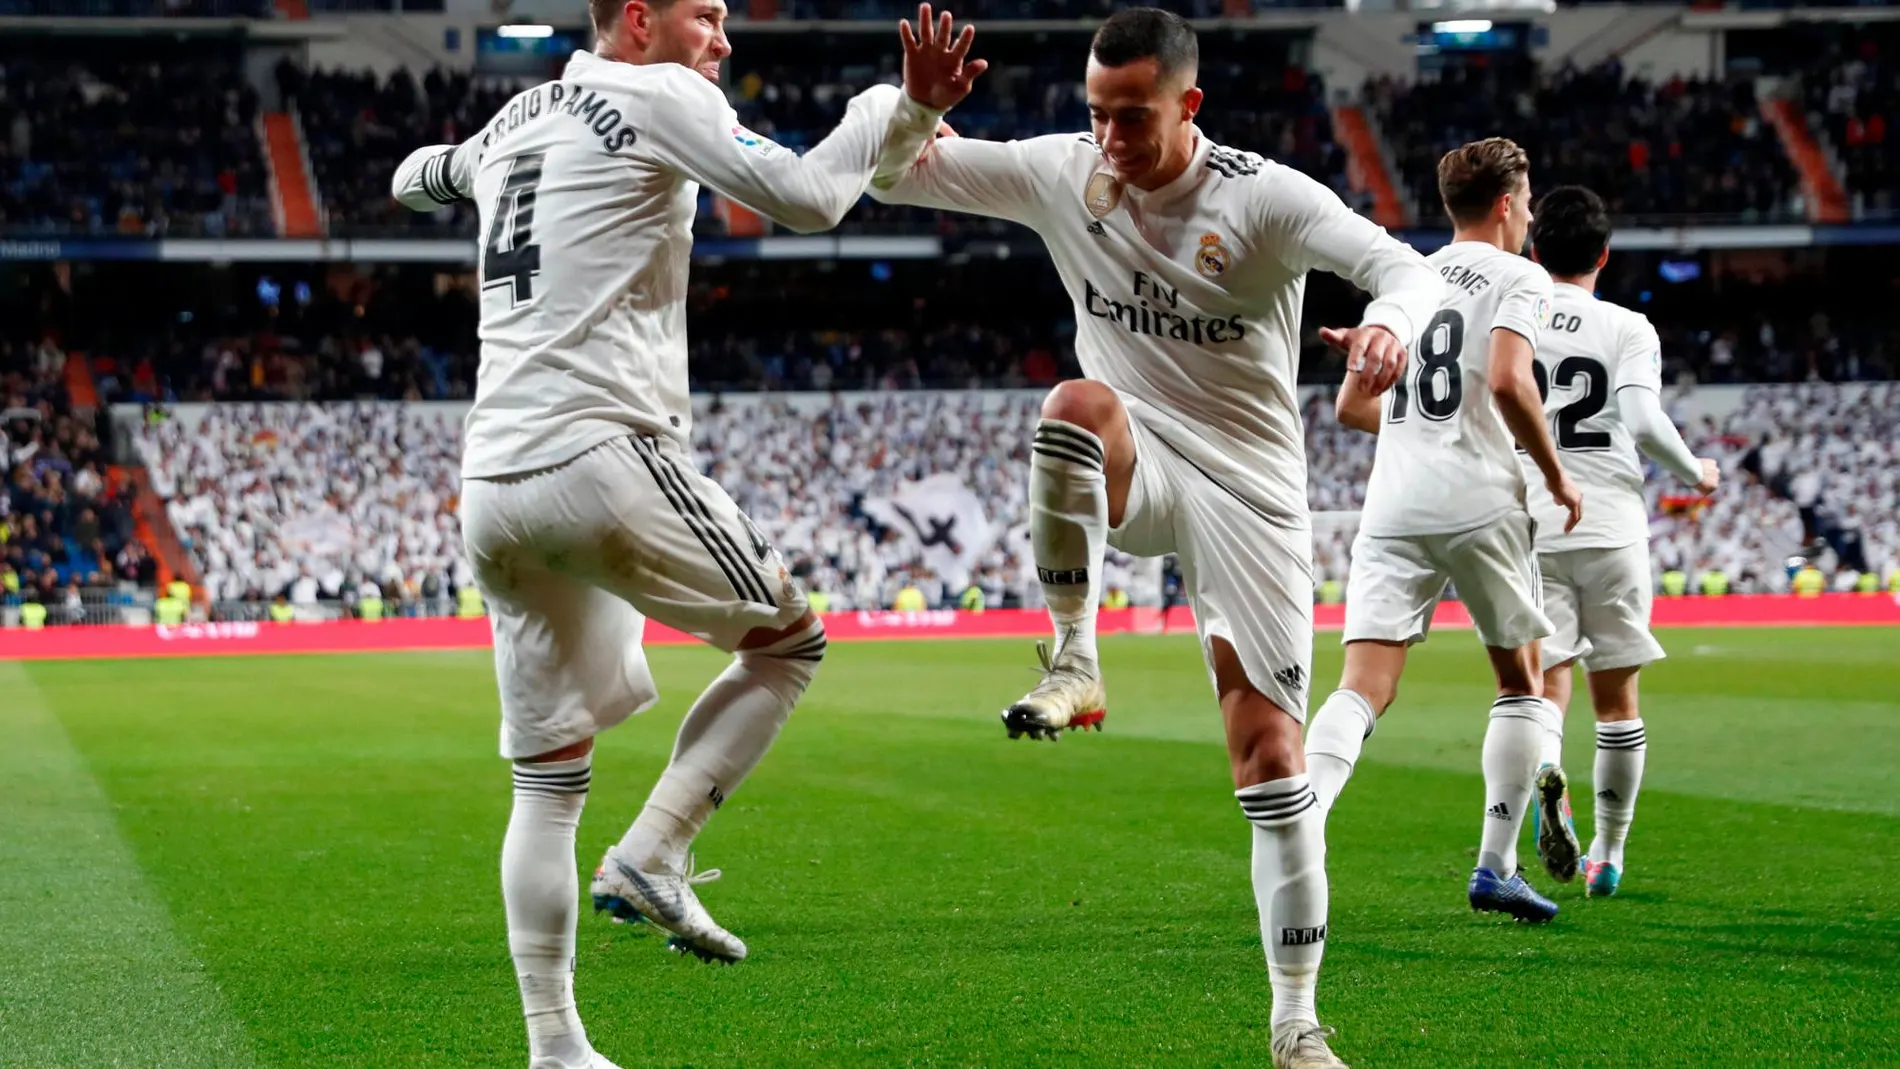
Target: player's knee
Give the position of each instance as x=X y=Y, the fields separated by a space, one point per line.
x=563 y=775
x=1378 y=692
x=1263 y=740
x=1084 y=403
x=792 y=660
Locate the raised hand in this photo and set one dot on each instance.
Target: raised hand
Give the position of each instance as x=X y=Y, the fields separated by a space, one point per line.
x=1373 y=351
x=937 y=73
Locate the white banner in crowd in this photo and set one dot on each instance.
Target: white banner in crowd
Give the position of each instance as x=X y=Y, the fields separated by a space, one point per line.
x=942 y=519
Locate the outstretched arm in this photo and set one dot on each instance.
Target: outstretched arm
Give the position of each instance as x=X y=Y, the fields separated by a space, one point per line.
x=1309 y=227
x=702 y=137
x=991 y=178
x=436 y=176
x=1639 y=405
x=698 y=135
x=1656 y=435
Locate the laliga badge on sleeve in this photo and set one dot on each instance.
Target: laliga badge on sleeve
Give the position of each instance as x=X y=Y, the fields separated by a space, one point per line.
x=1102 y=194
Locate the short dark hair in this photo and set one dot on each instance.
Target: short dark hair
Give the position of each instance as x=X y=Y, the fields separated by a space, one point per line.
x=607 y=12
x=1570 y=231
x=1137 y=33
x=1472 y=177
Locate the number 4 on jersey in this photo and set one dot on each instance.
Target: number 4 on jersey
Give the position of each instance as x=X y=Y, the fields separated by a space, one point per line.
x=512 y=222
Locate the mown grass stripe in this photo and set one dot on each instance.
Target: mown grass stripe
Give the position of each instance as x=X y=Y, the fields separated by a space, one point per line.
x=95 y=975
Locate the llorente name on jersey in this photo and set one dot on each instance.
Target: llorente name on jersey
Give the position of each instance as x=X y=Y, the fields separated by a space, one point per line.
x=571 y=100
x=1142 y=317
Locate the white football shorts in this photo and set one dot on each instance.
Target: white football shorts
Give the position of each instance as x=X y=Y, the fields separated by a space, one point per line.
x=573 y=559
x=1598 y=601
x=1248 y=576
x=1395 y=584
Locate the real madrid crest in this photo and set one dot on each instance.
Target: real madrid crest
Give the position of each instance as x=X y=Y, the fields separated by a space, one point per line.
x=1102 y=194
x=1211 y=260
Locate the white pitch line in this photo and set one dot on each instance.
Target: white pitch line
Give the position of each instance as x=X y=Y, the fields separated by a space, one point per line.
x=93 y=975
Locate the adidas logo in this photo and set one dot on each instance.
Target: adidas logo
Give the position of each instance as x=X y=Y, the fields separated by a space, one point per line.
x=1292 y=677
x=1499 y=812
x=718 y=796
x=1608 y=794
x=1096 y=228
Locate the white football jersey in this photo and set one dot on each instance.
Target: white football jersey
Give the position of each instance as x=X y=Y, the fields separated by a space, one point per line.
x=1446 y=462
x=586 y=188
x=1187 y=298
x=1592 y=351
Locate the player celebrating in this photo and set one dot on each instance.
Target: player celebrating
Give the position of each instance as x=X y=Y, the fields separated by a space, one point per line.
x=1446 y=503
x=1186 y=261
x=581 y=510
x=1603 y=368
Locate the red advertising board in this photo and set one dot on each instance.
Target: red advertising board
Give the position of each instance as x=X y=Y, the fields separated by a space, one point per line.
x=350 y=636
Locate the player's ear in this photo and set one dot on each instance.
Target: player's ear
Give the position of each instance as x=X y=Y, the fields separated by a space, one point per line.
x=638 y=18
x=1603 y=257
x=1191 y=102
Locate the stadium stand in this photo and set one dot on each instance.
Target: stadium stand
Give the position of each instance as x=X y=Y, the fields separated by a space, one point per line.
x=65 y=525
x=1858 y=101
x=1812 y=469
x=312 y=500
x=100 y=142
x=1676 y=148
x=358 y=128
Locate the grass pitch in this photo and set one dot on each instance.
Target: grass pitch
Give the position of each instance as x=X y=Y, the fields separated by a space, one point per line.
x=291 y=862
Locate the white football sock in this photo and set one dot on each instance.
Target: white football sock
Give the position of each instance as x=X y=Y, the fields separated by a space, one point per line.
x=1552 y=752
x=1068 y=528
x=1334 y=737
x=540 y=886
x=1622 y=747
x=1289 y=887
x=721 y=740
x=1512 y=744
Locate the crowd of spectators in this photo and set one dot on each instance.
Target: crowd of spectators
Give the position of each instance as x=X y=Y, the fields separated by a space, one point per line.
x=1857 y=100
x=65 y=526
x=358 y=127
x=1810 y=469
x=1680 y=147
x=1277 y=109
x=1816 y=466
x=134 y=147
x=312 y=501
x=117 y=143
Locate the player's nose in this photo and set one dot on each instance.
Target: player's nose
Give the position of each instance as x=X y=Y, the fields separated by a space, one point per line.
x=721 y=46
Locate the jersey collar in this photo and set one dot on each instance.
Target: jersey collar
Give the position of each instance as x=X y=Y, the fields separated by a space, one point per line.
x=1183 y=183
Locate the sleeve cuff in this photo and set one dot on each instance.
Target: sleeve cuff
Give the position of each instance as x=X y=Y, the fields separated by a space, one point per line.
x=916 y=117
x=1389 y=315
